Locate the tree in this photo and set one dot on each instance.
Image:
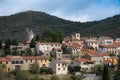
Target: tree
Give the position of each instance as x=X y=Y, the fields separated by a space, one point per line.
x=32 y=44
x=74 y=69
x=7 y=43
x=29 y=52
x=8 y=52
x=74 y=77
x=77 y=68
x=22 y=75
x=106 y=74
x=36 y=78
x=35 y=68
x=0 y=44
x=2 y=73
x=45 y=70
x=54 y=77
x=37 y=38
x=117 y=75
x=15 y=53
x=112 y=54
x=98 y=69
x=15 y=42
x=60 y=36
x=52 y=36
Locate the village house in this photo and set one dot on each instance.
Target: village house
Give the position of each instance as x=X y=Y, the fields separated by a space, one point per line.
x=22 y=48
x=94 y=56
x=46 y=47
x=67 y=58
x=59 y=67
x=105 y=40
x=74 y=49
x=23 y=63
x=57 y=54
x=106 y=56
x=91 y=43
x=114 y=59
x=108 y=49
x=85 y=64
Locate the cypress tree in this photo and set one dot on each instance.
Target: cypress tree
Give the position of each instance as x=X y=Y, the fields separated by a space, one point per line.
x=106 y=75
x=117 y=75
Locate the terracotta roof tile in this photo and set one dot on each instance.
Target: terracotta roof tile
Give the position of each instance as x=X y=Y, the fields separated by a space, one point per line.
x=107 y=61
x=83 y=60
x=4 y=59
x=108 y=46
x=105 y=54
x=49 y=43
x=116 y=43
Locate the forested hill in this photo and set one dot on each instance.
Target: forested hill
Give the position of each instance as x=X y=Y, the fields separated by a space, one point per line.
x=14 y=26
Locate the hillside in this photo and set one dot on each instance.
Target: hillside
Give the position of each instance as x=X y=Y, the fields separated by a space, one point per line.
x=14 y=26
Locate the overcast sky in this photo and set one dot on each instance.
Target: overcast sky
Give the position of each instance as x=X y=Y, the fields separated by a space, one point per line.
x=74 y=10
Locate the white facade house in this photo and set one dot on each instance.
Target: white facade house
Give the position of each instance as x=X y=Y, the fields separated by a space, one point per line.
x=105 y=40
x=85 y=64
x=46 y=46
x=108 y=49
x=91 y=43
x=59 y=67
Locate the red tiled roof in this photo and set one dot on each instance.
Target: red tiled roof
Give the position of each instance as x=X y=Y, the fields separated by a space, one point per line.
x=105 y=54
x=108 y=46
x=107 y=61
x=49 y=43
x=95 y=55
x=116 y=43
x=90 y=51
x=83 y=60
x=34 y=57
x=4 y=59
x=14 y=57
x=75 y=45
x=106 y=37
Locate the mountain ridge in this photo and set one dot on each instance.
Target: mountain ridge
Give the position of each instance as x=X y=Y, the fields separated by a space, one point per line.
x=14 y=26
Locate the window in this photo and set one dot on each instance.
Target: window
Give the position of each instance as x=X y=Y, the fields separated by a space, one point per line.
x=58 y=68
x=6 y=62
x=43 y=65
x=13 y=62
x=26 y=61
x=17 y=62
x=62 y=64
x=45 y=60
x=8 y=69
x=58 y=64
x=0 y=62
x=21 y=62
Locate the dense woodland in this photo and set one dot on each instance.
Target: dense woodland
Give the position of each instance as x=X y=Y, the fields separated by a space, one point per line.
x=14 y=25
